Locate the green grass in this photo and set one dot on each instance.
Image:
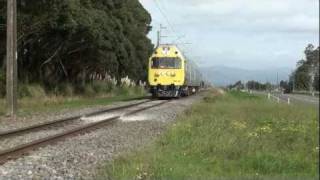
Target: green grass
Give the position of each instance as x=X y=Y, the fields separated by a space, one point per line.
x=235 y=136
x=32 y=105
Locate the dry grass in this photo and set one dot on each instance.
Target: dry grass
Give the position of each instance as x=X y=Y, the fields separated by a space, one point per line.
x=44 y=103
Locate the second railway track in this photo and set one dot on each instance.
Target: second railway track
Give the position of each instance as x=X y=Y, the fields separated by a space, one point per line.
x=19 y=150
x=33 y=128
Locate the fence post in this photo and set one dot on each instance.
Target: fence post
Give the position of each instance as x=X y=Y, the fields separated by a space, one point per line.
x=269 y=95
x=278 y=99
x=289 y=101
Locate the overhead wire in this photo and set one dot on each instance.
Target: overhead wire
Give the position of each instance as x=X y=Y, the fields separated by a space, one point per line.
x=178 y=39
x=183 y=44
x=168 y=22
x=164 y=15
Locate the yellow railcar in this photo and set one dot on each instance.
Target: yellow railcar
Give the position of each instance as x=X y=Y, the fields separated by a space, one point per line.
x=170 y=74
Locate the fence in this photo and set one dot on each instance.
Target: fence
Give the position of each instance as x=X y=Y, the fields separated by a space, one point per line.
x=314 y=93
x=278 y=99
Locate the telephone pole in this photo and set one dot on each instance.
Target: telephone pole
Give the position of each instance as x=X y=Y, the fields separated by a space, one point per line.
x=12 y=75
x=294 y=82
x=278 y=85
x=158 y=37
x=312 y=77
x=159 y=33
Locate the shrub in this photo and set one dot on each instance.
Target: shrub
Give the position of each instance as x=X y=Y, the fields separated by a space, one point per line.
x=121 y=91
x=102 y=86
x=140 y=91
x=64 y=89
x=129 y=91
x=68 y=90
x=23 y=91
x=33 y=91
x=89 y=91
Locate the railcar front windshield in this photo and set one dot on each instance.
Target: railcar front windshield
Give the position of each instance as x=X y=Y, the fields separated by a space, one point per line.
x=166 y=63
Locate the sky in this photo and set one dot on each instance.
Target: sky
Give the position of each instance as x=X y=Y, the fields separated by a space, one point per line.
x=247 y=34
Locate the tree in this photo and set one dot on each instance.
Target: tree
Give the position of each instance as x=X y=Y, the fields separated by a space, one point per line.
x=306 y=69
x=76 y=41
x=238 y=86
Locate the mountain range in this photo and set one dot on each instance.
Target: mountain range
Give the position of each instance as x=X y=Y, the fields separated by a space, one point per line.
x=224 y=75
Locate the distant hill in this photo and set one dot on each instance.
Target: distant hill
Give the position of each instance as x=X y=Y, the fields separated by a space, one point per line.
x=223 y=75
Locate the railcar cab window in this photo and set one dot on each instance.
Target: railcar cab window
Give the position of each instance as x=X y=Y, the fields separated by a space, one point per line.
x=166 y=63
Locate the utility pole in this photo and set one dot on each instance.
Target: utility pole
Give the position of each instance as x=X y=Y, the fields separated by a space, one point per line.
x=12 y=75
x=159 y=34
x=278 y=86
x=312 y=77
x=158 y=37
x=294 y=82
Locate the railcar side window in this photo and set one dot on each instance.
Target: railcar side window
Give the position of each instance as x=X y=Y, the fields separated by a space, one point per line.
x=166 y=63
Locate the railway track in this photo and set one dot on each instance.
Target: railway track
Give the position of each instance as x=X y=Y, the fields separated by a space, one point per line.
x=41 y=126
x=21 y=150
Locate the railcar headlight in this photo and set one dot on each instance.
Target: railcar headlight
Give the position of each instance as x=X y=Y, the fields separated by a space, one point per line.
x=173 y=74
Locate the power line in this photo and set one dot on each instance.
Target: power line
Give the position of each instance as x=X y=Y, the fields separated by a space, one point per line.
x=164 y=15
x=178 y=38
x=162 y=12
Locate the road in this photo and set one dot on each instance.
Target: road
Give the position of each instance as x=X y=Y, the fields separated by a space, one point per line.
x=294 y=98
x=300 y=98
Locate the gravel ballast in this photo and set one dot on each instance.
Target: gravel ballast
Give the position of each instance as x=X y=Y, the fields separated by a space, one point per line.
x=79 y=157
x=11 y=142
x=7 y=124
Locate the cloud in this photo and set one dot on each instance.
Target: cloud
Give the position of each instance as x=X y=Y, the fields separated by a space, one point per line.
x=249 y=15
x=250 y=32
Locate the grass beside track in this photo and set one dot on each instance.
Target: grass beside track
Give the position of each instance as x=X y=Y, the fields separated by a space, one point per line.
x=29 y=106
x=234 y=136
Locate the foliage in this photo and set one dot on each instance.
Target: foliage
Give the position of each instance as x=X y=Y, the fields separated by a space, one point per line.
x=251 y=85
x=286 y=86
x=306 y=68
x=236 y=136
x=78 y=41
x=307 y=71
x=238 y=85
x=34 y=91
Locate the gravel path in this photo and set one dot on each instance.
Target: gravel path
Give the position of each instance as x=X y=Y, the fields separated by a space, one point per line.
x=79 y=157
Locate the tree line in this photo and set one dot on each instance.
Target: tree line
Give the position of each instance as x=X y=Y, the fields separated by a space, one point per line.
x=252 y=85
x=304 y=78
x=77 y=41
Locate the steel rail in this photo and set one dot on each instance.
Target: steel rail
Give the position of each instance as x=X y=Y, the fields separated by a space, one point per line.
x=146 y=108
x=19 y=131
x=24 y=149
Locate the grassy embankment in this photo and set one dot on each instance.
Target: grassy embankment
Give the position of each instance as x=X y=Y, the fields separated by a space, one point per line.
x=37 y=101
x=235 y=136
